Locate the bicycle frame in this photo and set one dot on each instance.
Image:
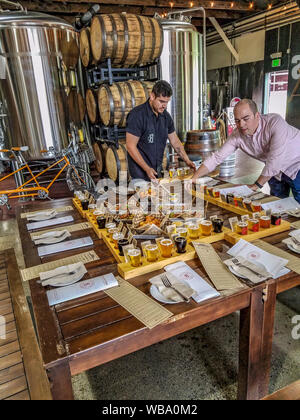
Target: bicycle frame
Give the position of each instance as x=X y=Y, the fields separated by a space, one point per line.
x=33 y=191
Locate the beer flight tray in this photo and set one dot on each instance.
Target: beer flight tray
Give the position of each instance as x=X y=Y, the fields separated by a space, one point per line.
x=227 y=206
x=127 y=271
x=234 y=237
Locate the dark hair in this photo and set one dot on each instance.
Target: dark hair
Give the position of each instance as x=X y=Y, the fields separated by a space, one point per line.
x=162 y=88
x=252 y=105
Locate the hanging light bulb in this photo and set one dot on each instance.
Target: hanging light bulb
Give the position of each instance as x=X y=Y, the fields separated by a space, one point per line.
x=212 y=4
x=171 y=4
x=251 y=5
x=231 y=4
x=191 y=4
x=269 y=6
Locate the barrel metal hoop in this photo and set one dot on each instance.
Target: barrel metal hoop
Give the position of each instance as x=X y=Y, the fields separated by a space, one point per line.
x=145 y=90
x=161 y=37
x=114 y=149
x=126 y=38
x=131 y=93
x=153 y=40
x=122 y=104
x=115 y=36
x=104 y=39
x=111 y=105
x=142 y=39
x=93 y=92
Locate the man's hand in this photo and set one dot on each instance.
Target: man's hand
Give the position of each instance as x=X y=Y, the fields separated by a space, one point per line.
x=253 y=187
x=151 y=173
x=191 y=165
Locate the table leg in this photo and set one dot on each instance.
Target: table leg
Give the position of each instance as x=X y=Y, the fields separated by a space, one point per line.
x=250 y=343
x=59 y=376
x=267 y=336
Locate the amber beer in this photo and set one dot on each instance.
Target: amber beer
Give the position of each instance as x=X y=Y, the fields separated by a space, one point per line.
x=182 y=232
x=135 y=257
x=151 y=252
x=256 y=205
x=253 y=225
x=116 y=238
x=194 y=231
x=265 y=222
x=206 y=227
x=242 y=228
x=166 y=247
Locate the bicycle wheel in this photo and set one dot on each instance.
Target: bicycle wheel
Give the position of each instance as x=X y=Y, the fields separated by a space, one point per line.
x=78 y=179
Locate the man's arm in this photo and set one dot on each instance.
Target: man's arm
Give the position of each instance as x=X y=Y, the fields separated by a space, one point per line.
x=131 y=146
x=176 y=143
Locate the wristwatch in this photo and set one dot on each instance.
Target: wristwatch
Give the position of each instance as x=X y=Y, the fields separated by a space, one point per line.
x=258 y=184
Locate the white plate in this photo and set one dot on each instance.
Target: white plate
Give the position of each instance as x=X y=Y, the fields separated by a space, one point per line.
x=67 y=283
x=240 y=275
x=292 y=248
x=158 y=296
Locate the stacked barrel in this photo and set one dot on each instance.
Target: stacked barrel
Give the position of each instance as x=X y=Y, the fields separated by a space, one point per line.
x=129 y=41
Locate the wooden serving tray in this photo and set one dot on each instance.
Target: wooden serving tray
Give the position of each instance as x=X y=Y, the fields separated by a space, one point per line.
x=78 y=206
x=128 y=272
x=234 y=237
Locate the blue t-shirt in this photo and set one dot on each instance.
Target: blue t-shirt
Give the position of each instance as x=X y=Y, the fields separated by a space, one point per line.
x=153 y=133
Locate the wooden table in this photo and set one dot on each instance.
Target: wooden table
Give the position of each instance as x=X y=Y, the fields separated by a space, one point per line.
x=78 y=335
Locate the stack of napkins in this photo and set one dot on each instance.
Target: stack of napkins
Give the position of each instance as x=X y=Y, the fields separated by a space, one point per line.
x=81 y=288
x=202 y=290
x=248 y=269
x=65 y=246
x=264 y=260
x=51 y=237
x=42 y=215
x=63 y=275
x=285 y=205
x=170 y=293
x=292 y=244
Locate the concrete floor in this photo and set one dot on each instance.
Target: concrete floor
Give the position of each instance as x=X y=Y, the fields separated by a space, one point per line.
x=199 y=364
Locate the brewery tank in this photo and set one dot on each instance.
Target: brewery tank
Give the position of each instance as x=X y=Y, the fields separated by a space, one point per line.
x=182 y=66
x=36 y=51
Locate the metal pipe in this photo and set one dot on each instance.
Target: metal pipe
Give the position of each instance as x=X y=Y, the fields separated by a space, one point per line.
x=13 y=4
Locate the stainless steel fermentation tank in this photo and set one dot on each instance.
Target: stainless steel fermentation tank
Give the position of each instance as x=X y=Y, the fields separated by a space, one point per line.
x=34 y=55
x=183 y=66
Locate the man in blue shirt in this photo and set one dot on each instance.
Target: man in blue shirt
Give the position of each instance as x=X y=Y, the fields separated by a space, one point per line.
x=148 y=127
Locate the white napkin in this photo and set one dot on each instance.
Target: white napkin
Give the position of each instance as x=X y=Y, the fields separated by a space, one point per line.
x=43 y=215
x=64 y=274
x=256 y=255
x=203 y=290
x=288 y=241
x=246 y=272
x=170 y=293
x=51 y=237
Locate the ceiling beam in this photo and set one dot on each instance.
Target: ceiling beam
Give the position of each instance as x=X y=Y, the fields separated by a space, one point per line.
x=182 y=4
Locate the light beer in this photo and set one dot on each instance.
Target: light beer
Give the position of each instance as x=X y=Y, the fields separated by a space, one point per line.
x=151 y=252
x=206 y=227
x=194 y=231
x=135 y=257
x=166 y=248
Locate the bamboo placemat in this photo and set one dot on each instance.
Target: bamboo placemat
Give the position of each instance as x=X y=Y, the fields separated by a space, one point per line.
x=141 y=306
x=296 y=225
x=33 y=272
x=269 y=199
x=71 y=228
x=215 y=269
x=57 y=209
x=294 y=262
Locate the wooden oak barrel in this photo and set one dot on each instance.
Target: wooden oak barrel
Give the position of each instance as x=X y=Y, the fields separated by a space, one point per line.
x=85 y=47
x=202 y=143
x=100 y=150
x=70 y=52
x=82 y=107
x=117 y=100
x=127 y=39
x=116 y=161
x=91 y=105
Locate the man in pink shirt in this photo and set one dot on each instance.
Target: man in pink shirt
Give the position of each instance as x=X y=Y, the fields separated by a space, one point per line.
x=268 y=138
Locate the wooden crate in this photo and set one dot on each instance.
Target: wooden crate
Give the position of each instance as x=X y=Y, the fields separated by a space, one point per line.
x=78 y=206
x=234 y=237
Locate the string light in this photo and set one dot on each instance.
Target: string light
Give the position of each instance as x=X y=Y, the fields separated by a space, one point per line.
x=269 y=6
x=171 y=4
x=212 y=4
x=251 y=5
x=231 y=4
x=191 y=4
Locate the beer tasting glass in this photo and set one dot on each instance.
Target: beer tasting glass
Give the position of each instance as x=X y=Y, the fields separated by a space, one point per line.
x=85 y=204
x=217 y=225
x=206 y=227
x=135 y=257
x=253 y=225
x=265 y=222
x=182 y=232
x=151 y=252
x=194 y=231
x=117 y=236
x=112 y=231
x=101 y=222
x=180 y=243
x=275 y=219
x=242 y=228
x=121 y=243
x=166 y=248
x=256 y=205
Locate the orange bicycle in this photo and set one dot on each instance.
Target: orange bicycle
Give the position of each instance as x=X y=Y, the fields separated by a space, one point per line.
x=77 y=178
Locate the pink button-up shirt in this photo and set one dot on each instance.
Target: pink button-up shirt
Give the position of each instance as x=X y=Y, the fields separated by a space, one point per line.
x=275 y=142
